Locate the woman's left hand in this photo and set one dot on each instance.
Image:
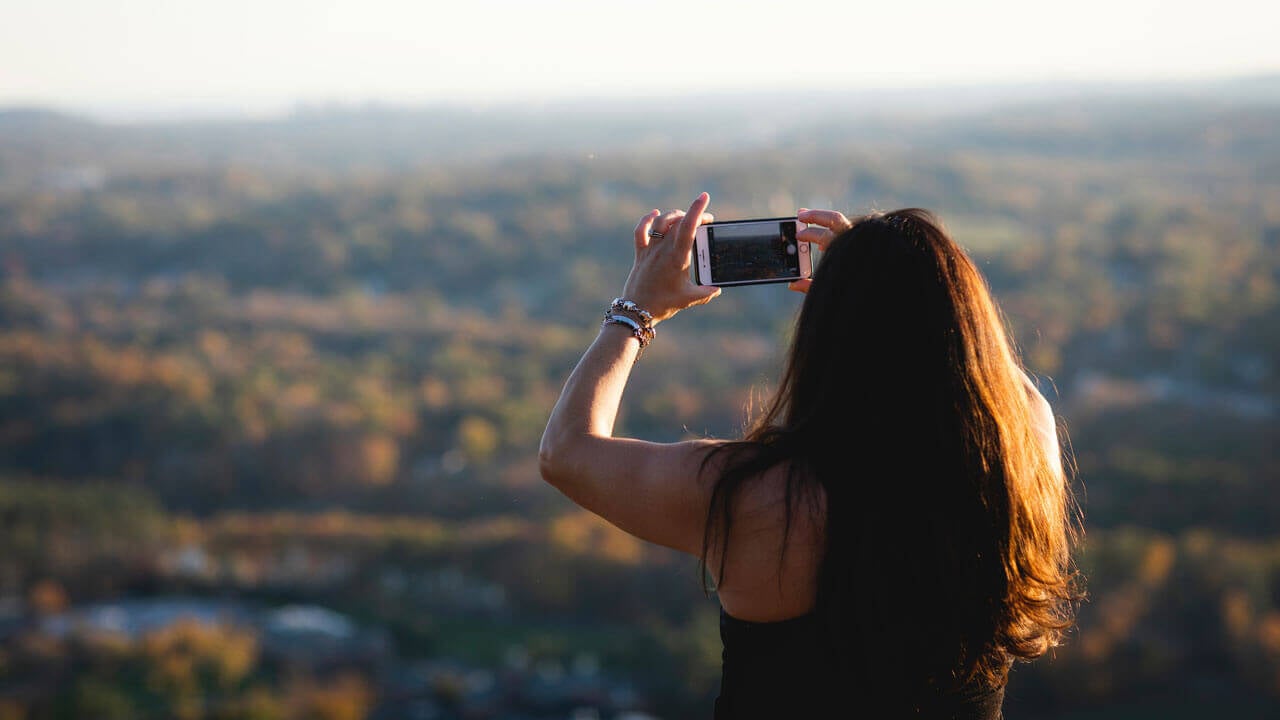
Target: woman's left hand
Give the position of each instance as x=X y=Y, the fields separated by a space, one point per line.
x=659 y=280
x=823 y=227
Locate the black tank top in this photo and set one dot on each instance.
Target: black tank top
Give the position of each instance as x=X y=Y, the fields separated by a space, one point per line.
x=778 y=670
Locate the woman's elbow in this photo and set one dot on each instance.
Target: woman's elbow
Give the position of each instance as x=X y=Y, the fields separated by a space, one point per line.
x=552 y=452
x=547 y=463
x=566 y=458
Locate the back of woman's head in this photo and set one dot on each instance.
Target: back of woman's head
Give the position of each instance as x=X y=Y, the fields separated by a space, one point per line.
x=949 y=523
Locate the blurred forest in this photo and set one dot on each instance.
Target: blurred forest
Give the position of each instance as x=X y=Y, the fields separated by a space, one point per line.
x=271 y=391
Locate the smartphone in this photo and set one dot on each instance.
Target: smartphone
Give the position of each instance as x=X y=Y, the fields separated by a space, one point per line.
x=750 y=252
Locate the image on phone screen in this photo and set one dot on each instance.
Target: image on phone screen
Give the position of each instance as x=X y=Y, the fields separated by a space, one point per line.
x=753 y=251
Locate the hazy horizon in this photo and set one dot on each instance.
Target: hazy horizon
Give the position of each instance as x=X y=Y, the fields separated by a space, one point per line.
x=943 y=98
x=139 y=59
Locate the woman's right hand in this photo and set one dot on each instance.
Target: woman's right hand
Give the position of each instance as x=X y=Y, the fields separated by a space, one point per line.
x=659 y=280
x=823 y=227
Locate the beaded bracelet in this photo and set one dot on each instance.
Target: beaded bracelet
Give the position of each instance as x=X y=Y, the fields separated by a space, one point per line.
x=620 y=304
x=638 y=331
x=641 y=324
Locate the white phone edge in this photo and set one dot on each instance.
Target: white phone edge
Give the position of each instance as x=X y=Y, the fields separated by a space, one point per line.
x=702 y=258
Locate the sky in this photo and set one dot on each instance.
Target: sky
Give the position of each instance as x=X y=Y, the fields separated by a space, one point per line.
x=127 y=57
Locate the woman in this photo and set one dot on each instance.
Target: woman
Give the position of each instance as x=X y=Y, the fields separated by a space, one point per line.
x=897 y=527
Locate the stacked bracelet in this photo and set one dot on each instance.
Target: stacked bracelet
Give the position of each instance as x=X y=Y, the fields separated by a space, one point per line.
x=624 y=305
x=641 y=325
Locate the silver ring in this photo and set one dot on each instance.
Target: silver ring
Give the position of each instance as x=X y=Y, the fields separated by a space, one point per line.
x=656 y=235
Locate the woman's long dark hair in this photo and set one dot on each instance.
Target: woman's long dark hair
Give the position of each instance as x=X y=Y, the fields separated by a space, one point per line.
x=949 y=525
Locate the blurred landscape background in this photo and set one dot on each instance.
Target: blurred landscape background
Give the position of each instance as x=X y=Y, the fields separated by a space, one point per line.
x=270 y=392
x=272 y=377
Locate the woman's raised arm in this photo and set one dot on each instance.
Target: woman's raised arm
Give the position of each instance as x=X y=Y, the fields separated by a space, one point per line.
x=651 y=490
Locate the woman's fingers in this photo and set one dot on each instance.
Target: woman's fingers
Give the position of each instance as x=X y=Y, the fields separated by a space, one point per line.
x=642 y=229
x=817 y=235
x=822 y=229
x=689 y=223
x=667 y=222
x=829 y=219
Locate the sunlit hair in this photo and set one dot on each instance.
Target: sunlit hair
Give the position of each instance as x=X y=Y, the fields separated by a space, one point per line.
x=949 y=524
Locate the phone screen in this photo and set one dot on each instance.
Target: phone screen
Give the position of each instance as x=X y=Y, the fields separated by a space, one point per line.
x=741 y=252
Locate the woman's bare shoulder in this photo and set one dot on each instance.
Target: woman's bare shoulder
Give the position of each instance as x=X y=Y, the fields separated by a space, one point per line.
x=771 y=567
